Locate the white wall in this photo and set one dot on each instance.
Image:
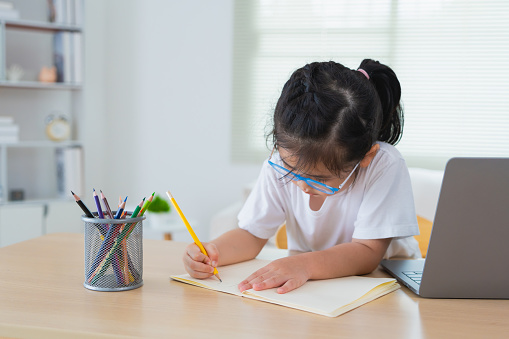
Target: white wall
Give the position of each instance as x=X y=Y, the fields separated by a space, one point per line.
x=158 y=104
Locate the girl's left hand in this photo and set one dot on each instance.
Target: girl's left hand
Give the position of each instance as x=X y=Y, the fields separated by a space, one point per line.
x=286 y=273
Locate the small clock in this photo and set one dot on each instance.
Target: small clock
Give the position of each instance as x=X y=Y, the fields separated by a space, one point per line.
x=58 y=128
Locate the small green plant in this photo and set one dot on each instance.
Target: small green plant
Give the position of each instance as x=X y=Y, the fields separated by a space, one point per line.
x=159 y=205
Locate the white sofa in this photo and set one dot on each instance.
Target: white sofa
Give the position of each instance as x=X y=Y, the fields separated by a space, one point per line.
x=426 y=185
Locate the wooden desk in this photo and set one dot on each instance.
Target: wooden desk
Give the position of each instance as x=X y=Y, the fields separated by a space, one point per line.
x=42 y=295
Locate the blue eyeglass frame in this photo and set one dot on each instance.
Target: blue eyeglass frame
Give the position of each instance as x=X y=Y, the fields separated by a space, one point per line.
x=315 y=184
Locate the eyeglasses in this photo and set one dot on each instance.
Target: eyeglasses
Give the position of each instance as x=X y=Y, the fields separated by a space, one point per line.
x=320 y=186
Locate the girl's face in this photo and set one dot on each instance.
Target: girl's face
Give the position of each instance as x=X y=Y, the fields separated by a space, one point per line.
x=319 y=173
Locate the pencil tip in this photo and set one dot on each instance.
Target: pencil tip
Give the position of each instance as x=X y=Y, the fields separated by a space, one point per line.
x=168 y=193
x=72 y=192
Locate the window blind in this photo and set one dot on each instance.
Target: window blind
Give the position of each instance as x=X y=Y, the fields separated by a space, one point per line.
x=451 y=57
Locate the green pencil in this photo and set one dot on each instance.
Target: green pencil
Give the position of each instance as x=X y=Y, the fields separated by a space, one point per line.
x=147 y=203
x=127 y=229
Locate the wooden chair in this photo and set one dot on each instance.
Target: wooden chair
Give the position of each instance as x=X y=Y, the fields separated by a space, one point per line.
x=423 y=238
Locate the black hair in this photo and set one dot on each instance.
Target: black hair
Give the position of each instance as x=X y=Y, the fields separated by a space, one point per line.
x=330 y=114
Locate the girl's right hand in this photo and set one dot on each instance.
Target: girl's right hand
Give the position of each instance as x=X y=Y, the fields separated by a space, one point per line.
x=197 y=264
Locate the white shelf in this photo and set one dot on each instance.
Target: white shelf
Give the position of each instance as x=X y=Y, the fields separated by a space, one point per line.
x=37 y=167
x=40 y=26
x=36 y=201
x=40 y=85
x=41 y=144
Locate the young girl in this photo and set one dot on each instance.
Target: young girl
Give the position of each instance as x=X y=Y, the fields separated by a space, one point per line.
x=334 y=177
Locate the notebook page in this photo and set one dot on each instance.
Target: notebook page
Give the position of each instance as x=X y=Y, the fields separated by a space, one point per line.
x=327 y=297
x=231 y=276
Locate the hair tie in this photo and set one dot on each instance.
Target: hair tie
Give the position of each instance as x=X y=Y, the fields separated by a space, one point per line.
x=364 y=72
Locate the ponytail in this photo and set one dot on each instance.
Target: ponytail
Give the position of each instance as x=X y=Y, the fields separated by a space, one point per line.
x=389 y=91
x=332 y=115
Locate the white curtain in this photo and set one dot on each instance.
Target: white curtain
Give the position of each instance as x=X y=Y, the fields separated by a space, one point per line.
x=451 y=57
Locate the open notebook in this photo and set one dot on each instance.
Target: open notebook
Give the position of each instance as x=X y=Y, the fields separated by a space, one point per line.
x=330 y=298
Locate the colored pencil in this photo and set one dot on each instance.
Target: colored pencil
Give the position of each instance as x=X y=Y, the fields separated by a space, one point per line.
x=100 y=269
x=98 y=204
x=100 y=214
x=89 y=214
x=108 y=242
x=107 y=206
x=146 y=204
x=133 y=273
x=83 y=207
x=190 y=230
x=120 y=209
x=143 y=210
x=118 y=259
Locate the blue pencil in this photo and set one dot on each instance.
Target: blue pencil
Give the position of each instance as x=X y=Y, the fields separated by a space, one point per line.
x=120 y=209
x=116 y=246
x=108 y=242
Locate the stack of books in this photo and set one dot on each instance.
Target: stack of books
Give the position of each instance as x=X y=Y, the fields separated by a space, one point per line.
x=67 y=56
x=67 y=53
x=7 y=11
x=9 y=131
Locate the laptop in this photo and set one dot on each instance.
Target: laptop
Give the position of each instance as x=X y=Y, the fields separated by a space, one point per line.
x=468 y=252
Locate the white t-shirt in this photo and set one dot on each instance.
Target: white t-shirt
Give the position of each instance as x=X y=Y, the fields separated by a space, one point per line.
x=378 y=205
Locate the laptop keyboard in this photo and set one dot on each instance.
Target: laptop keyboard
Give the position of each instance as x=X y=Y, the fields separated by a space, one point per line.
x=414 y=275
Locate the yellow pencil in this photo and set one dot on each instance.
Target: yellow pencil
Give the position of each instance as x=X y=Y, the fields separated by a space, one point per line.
x=195 y=238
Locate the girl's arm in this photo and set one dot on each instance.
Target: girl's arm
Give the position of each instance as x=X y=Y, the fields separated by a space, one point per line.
x=355 y=258
x=238 y=245
x=234 y=246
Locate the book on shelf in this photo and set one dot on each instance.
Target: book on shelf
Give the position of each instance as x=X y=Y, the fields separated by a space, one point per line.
x=78 y=12
x=69 y=162
x=6 y=120
x=6 y=5
x=77 y=58
x=58 y=55
x=329 y=297
x=9 y=131
x=58 y=11
x=67 y=56
x=7 y=11
x=9 y=134
x=66 y=12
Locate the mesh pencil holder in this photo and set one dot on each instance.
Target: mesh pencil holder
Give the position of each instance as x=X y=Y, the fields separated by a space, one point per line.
x=113 y=253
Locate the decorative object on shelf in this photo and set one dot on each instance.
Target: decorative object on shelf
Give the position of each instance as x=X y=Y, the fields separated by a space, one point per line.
x=15 y=72
x=48 y=74
x=17 y=195
x=57 y=127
